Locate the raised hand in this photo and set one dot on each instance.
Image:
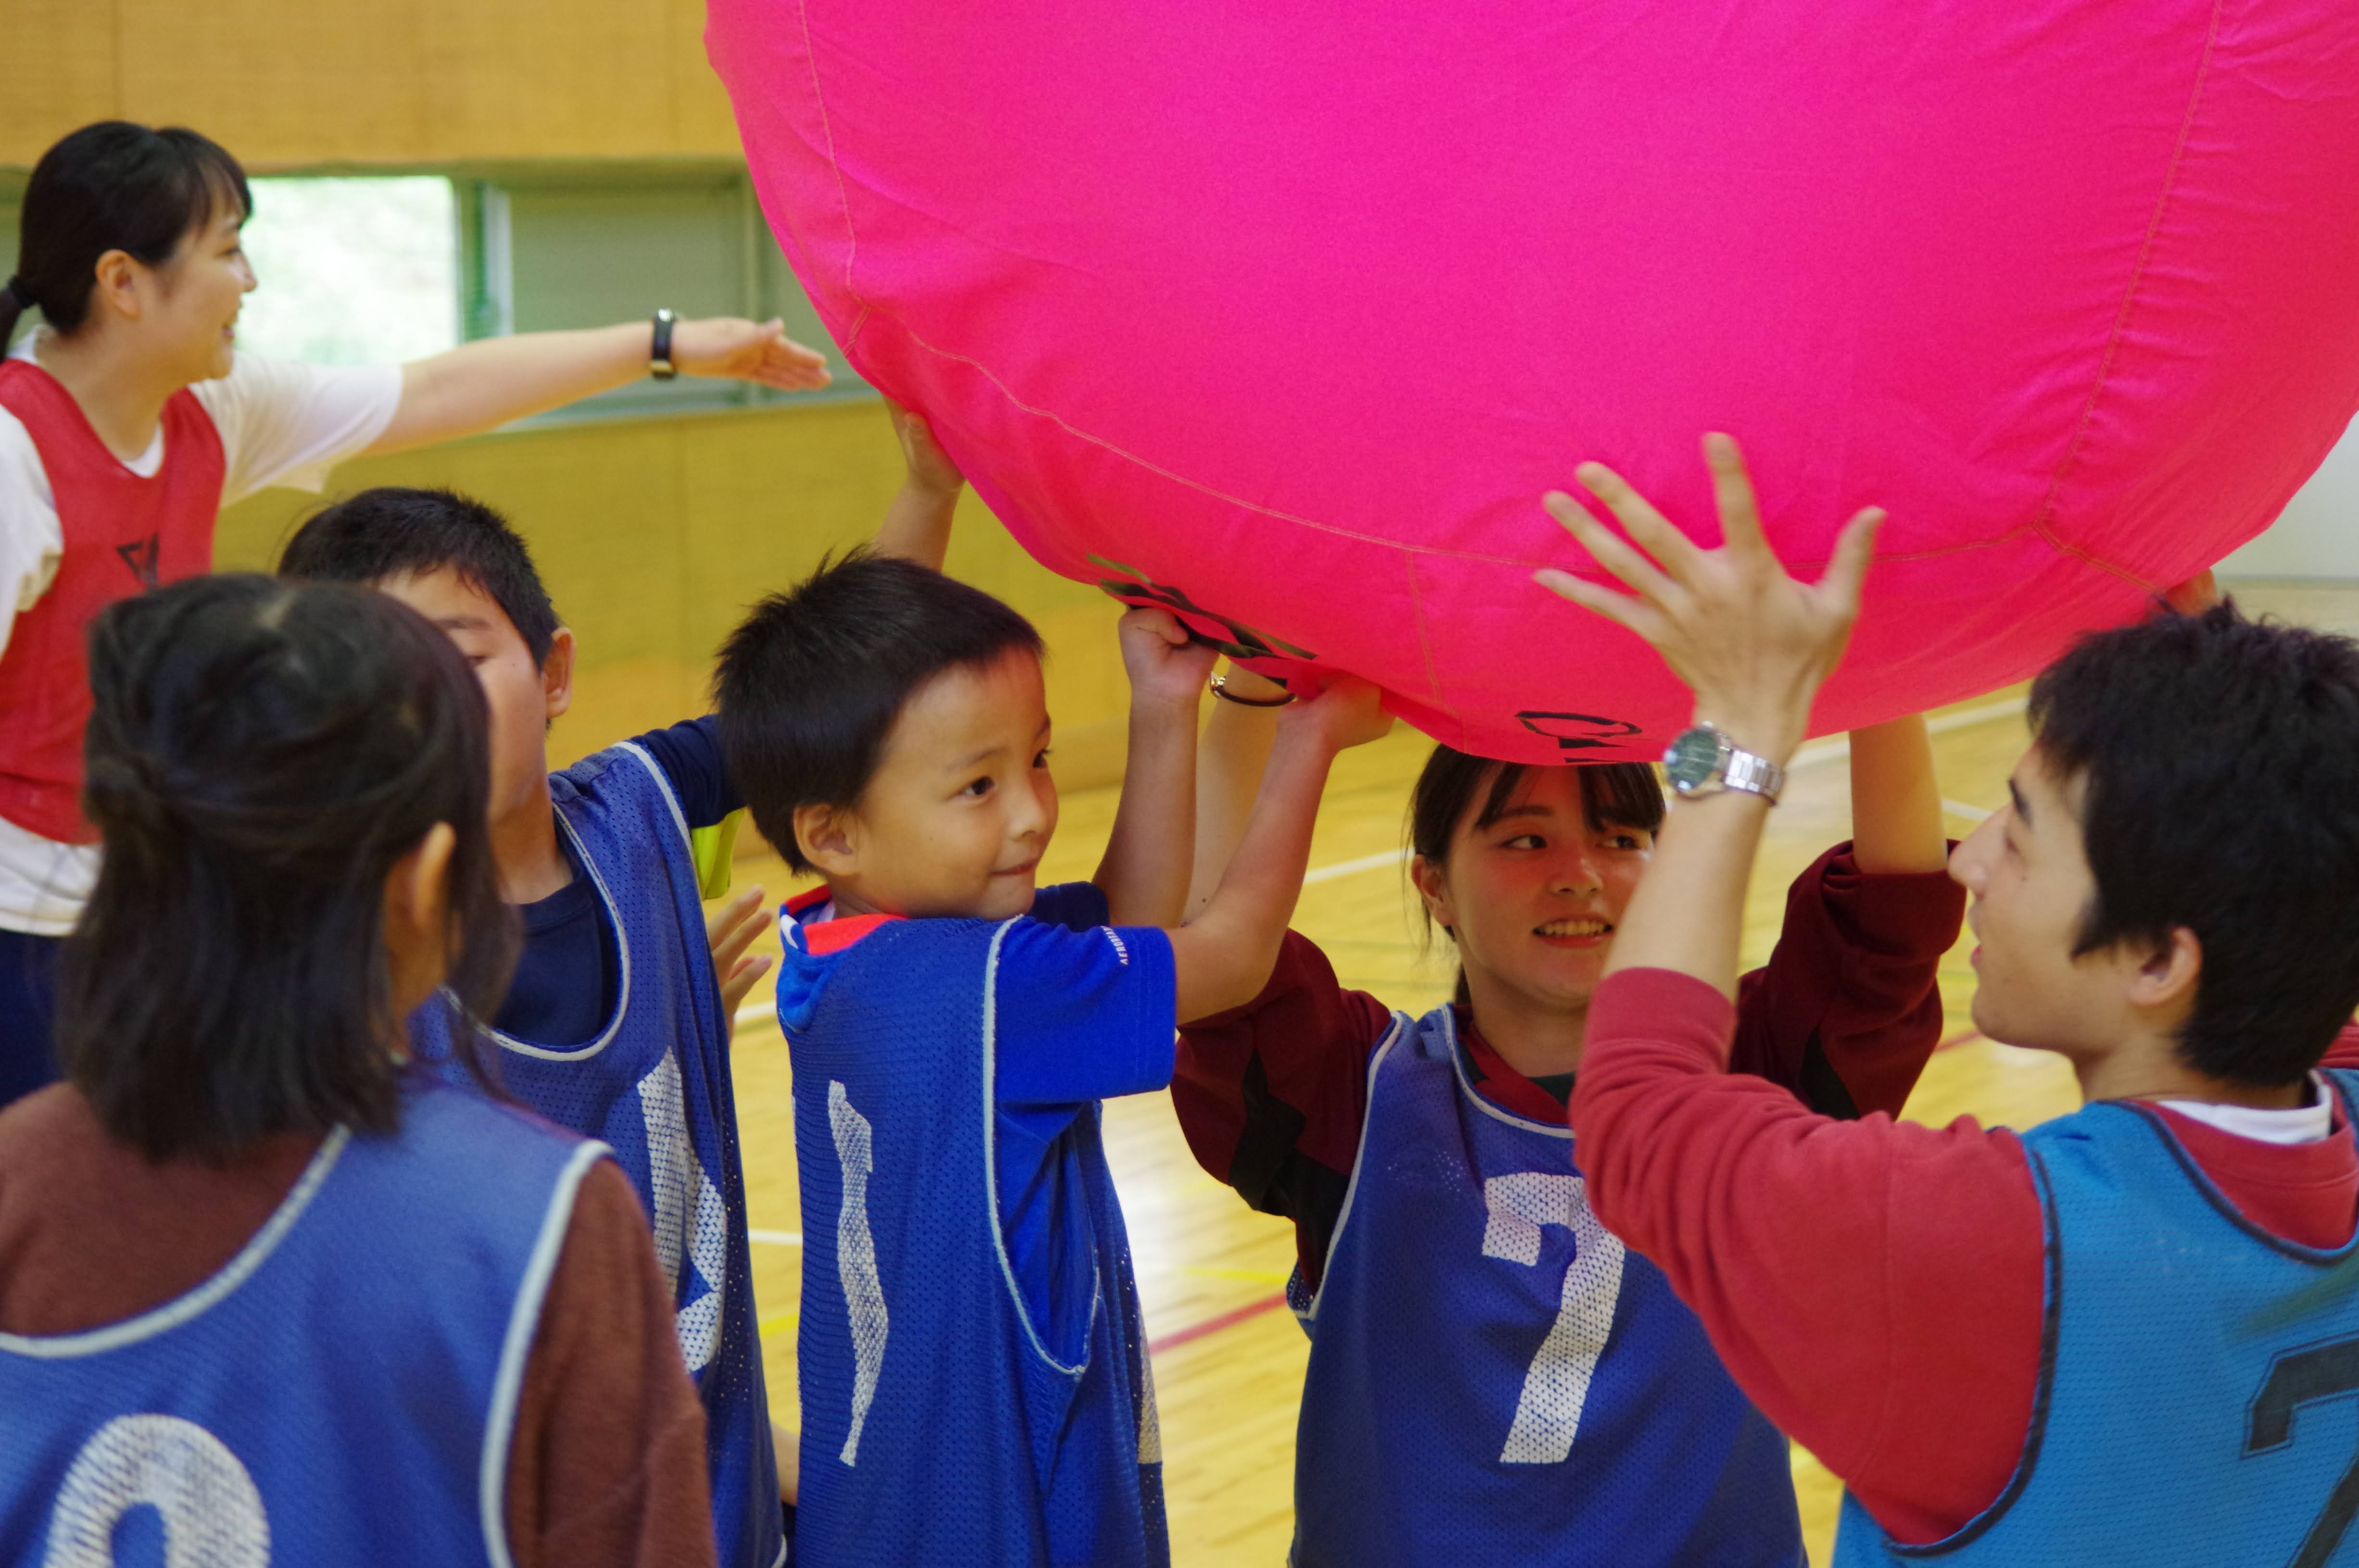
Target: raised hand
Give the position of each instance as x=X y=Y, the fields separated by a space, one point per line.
x=1165 y=666
x=734 y=349
x=1347 y=712
x=931 y=470
x=1752 y=643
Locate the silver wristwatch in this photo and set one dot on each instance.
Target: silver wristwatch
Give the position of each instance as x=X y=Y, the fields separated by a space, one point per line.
x=1703 y=761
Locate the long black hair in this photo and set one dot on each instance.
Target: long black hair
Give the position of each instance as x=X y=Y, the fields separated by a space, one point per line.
x=260 y=754
x=113 y=186
x=1624 y=794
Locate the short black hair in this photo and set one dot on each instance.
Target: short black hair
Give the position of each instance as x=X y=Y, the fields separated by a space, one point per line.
x=1620 y=794
x=396 y=531
x=810 y=682
x=113 y=186
x=2217 y=758
x=259 y=755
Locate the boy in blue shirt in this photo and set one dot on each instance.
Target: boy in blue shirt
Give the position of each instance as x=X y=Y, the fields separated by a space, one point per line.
x=975 y=1386
x=616 y=1024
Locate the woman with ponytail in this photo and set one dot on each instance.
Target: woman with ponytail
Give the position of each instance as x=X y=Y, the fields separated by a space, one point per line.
x=127 y=420
x=270 y=1289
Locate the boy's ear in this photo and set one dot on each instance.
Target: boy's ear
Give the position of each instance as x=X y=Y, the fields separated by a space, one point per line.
x=2165 y=976
x=557 y=674
x=825 y=834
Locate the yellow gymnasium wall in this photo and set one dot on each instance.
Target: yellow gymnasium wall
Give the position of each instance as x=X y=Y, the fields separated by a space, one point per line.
x=365 y=81
x=655 y=534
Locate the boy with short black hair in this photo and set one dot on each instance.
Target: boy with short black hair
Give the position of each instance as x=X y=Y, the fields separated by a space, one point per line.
x=616 y=1024
x=2119 y=1336
x=975 y=1384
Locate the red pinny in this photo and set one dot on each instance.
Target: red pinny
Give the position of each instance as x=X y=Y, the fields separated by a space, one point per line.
x=123 y=535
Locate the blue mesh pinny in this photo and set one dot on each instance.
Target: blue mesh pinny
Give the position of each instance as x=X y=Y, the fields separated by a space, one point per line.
x=1493 y=1378
x=2200 y=1394
x=654 y=1085
x=342 y=1390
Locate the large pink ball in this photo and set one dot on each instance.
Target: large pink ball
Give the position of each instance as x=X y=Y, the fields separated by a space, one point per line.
x=1291 y=313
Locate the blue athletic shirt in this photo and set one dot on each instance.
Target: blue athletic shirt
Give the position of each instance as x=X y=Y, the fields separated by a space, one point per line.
x=342 y=1390
x=565 y=976
x=2197 y=1373
x=975 y=1385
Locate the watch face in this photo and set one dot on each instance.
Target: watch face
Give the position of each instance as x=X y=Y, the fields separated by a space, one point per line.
x=1693 y=759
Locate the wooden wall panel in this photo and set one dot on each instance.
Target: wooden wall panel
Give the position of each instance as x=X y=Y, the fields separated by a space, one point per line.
x=285 y=85
x=702 y=120
x=326 y=81
x=60 y=72
x=546 y=78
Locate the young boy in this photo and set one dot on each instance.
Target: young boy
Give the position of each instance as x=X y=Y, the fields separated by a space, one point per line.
x=2128 y=1334
x=616 y=1025
x=975 y=1386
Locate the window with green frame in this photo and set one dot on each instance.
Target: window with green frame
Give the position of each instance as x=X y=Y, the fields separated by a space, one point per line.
x=555 y=247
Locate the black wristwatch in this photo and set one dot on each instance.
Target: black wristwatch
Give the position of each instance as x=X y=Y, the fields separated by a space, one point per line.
x=659 y=364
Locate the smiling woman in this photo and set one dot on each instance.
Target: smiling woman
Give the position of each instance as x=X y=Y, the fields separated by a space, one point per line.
x=130 y=416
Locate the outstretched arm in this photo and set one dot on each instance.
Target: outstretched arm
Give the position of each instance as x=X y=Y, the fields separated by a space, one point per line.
x=1230 y=760
x=1145 y=872
x=479 y=385
x=1223 y=955
x=917 y=526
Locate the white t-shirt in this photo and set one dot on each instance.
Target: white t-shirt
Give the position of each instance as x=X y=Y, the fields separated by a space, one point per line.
x=2303 y=1124
x=281 y=423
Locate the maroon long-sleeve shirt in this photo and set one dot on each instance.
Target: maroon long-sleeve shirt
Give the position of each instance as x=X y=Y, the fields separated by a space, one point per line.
x=1271 y=1096
x=1874 y=1286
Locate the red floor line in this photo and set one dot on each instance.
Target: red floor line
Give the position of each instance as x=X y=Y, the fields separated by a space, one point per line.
x=1959 y=1039
x=1229 y=1319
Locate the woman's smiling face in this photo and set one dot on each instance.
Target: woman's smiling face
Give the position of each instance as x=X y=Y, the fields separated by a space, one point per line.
x=1533 y=896
x=198 y=294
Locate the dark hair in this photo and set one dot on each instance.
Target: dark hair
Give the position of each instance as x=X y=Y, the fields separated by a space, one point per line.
x=393 y=531
x=260 y=753
x=1624 y=794
x=113 y=186
x=810 y=684
x=2216 y=757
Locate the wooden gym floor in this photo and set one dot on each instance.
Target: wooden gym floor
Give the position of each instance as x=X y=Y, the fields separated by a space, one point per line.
x=1228 y=1357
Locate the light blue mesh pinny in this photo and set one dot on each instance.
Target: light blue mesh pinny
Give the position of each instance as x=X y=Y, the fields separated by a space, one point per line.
x=2200 y=1396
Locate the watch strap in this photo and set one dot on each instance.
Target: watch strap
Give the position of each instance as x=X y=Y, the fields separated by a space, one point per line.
x=1753 y=775
x=1732 y=767
x=659 y=364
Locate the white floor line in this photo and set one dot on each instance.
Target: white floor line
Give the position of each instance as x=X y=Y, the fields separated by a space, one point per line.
x=777 y=1237
x=1834 y=746
x=1960 y=808
x=1351 y=868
